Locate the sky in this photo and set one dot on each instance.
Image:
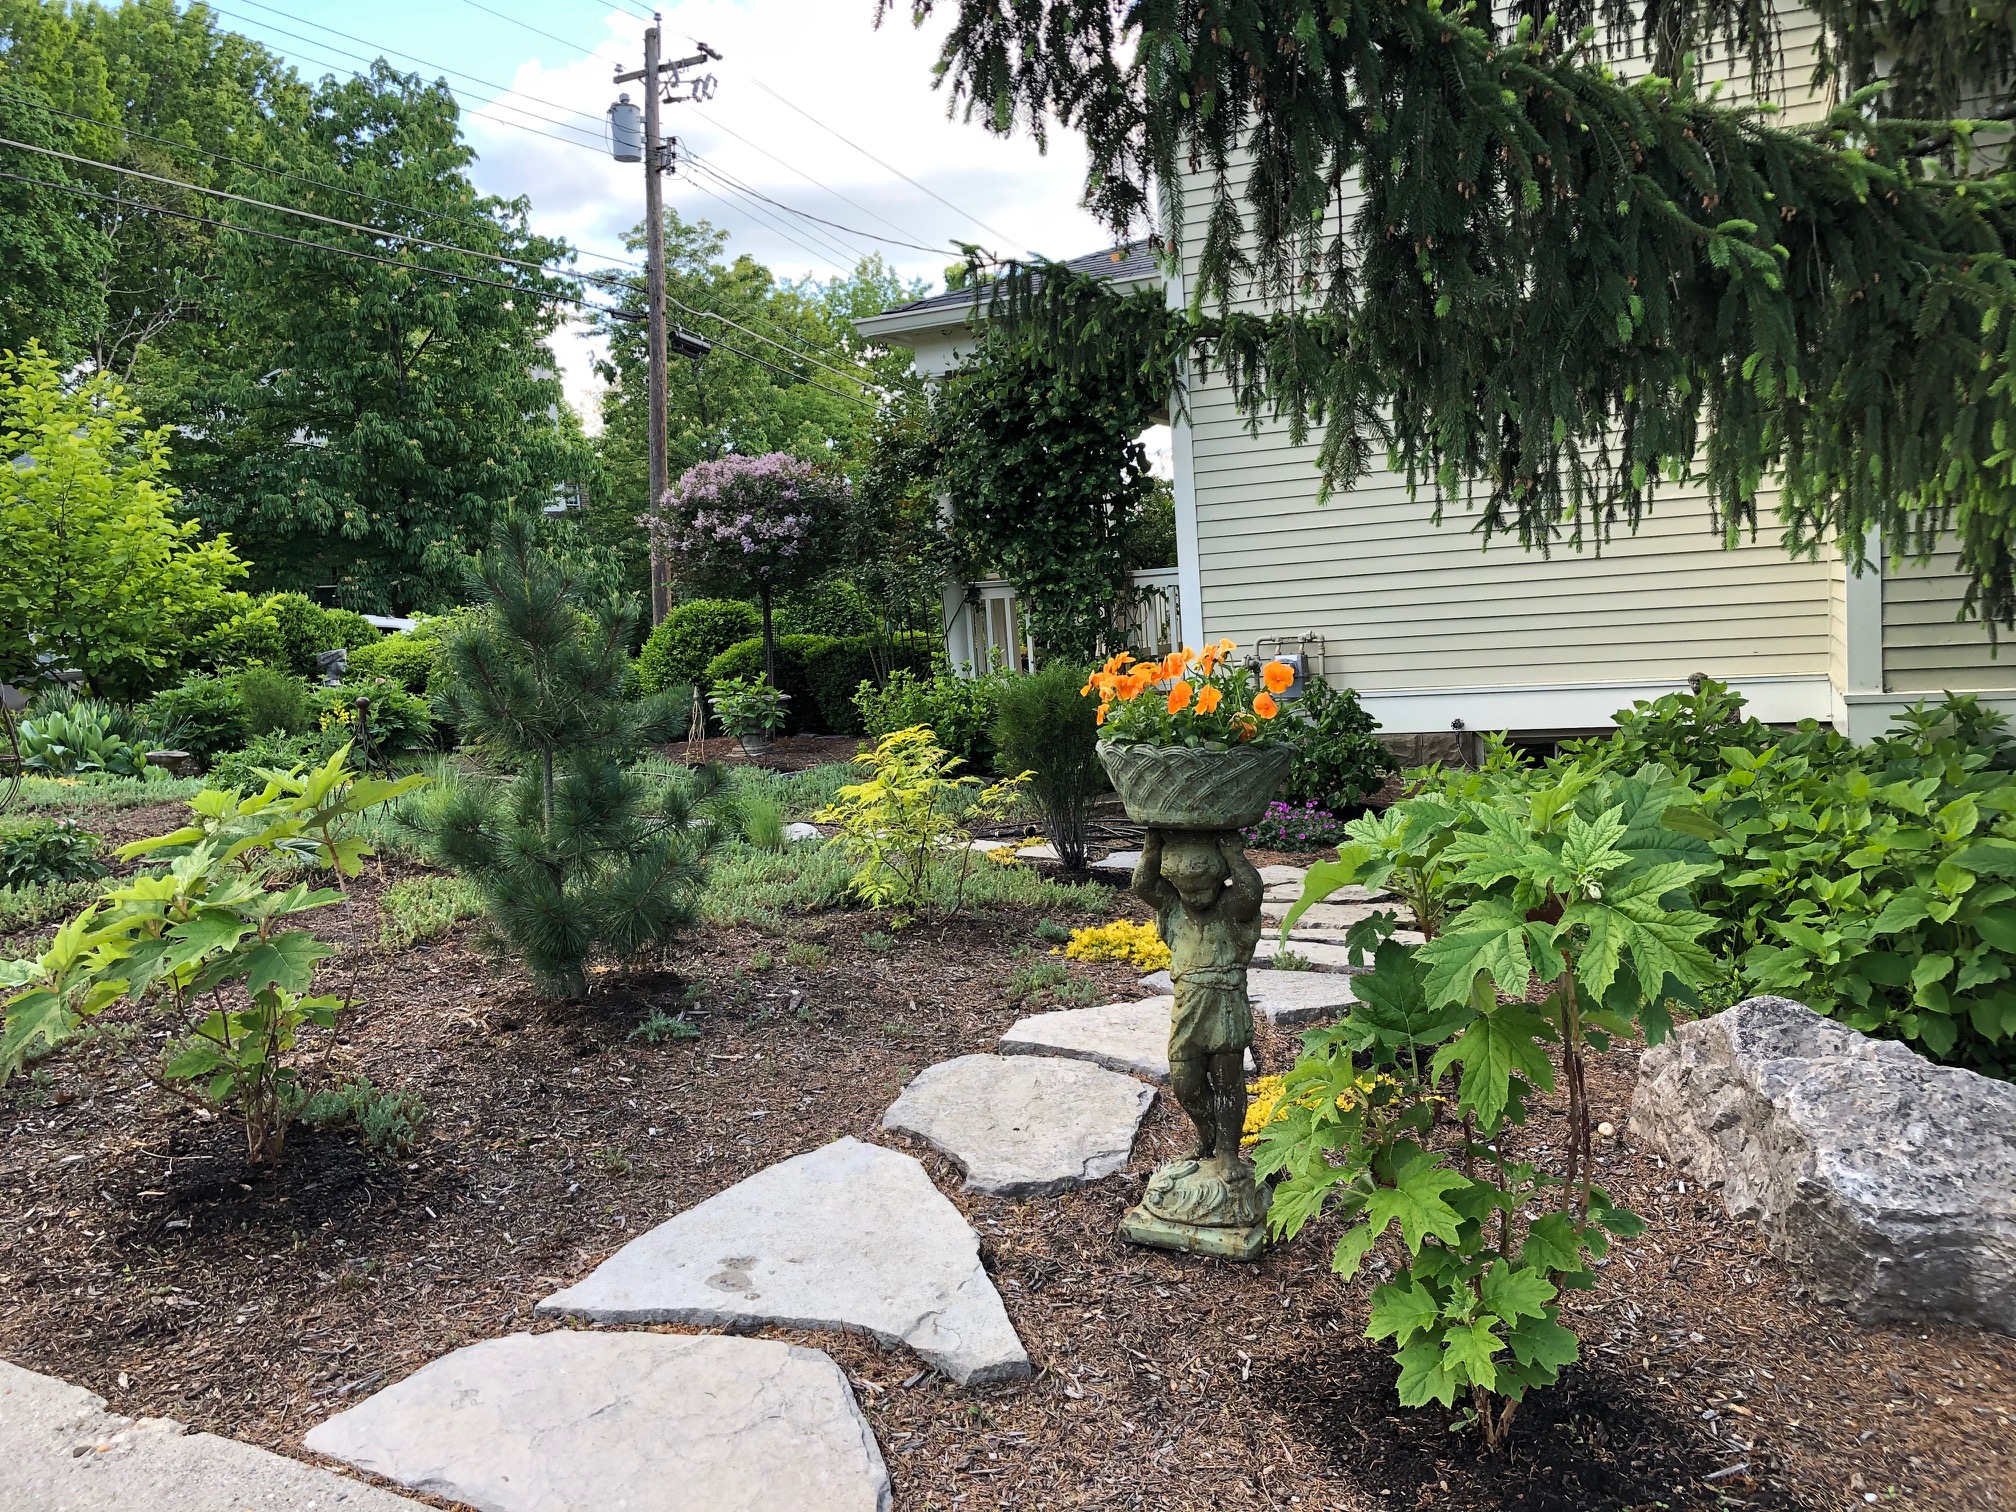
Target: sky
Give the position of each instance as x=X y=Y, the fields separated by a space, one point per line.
x=535 y=80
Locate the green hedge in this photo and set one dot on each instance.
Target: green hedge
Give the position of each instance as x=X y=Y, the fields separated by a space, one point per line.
x=794 y=674
x=405 y=659
x=689 y=638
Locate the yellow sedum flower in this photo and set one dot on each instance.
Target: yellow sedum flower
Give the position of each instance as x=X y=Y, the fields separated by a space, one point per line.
x=1132 y=940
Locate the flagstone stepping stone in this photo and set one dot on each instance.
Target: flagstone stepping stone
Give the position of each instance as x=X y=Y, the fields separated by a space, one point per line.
x=1290 y=892
x=1321 y=955
x=1334 y=917
x=1024 y=1125
x=1128 y=1037
x=578 y=1422
x=1283 y=876
x=61 y=1451
x=1121 y=862
x=847 y=1236
x=1285 y=998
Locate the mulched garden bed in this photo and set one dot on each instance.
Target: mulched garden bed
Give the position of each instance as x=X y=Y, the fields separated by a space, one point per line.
x=141 y=1258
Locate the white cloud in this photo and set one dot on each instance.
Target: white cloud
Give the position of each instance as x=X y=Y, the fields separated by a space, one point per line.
x=827 y=59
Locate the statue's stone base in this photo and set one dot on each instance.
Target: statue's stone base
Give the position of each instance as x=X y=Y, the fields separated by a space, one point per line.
x=1142 y=1227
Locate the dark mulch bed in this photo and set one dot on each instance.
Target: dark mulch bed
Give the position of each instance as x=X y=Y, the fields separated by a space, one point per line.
x=789 y=753
x=141 y=1258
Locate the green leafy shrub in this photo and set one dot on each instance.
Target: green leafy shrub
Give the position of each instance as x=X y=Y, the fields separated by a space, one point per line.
x=206 y=712
x=406 y=660
x=244 y=632
x=835 y=608
x=306 y=628
x=276 y=703
x=72 y=744
x=1338 y=760
x=37 y=852
x=691 y=636
x=1578 y=881
x=834 y=673
x=1882 y=894
x=204 y=946
x=581 y=854
x=658 y=1026
x=1045 y=726
x=399 y=721
x=388 y=1123
x=959 y=711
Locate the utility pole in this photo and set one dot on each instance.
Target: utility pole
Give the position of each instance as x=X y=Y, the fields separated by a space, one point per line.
x=657 y=154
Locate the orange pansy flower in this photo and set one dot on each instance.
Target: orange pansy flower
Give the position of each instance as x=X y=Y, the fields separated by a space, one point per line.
x=1277 y=675
x=1208 y=700
x=1100 y=717
x=1179 y=697
x=1265 y=706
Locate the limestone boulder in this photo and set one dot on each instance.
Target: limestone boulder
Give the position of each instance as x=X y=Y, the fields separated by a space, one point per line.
x=1892 y=1179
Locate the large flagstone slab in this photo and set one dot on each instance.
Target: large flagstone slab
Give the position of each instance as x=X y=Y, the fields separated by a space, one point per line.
x=620 y=1422
x=1024 y=1125
x=848 y=1236
x=1287 y=999
x=1335 y=917
x=1322 y=955
x=61 y=1451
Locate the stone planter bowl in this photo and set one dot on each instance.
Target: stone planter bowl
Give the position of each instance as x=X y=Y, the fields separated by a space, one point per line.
x=1178 y=787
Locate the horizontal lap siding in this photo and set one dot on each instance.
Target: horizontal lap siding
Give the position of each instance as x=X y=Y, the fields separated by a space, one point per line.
x=1402 y=603
x=1925 y=648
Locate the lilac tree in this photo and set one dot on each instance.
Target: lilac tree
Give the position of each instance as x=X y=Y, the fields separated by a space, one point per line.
x=752 y=526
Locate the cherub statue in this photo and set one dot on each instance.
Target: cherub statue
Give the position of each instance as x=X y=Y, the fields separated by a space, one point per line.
x=1206 y=896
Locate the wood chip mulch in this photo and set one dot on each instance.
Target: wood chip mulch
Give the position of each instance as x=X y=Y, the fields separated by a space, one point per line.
x=141 y=1257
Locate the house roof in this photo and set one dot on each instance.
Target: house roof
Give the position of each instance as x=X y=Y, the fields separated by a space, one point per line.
x=1129 y=263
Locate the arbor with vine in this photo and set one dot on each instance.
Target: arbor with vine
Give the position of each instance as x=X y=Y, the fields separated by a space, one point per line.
x=1047 y=477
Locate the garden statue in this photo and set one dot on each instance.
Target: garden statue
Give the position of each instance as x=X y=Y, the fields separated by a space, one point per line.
x=1206 y=897
x=1194 y=750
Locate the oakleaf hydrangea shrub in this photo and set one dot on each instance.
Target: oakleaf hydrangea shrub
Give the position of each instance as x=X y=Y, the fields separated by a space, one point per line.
x=1403 y=1120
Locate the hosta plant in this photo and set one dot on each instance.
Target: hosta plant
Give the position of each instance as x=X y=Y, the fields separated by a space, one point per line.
x=1564 y=918
x=204 y=954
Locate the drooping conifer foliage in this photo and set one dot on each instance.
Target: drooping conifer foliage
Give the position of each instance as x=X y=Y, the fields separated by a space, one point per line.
x=582 y=854
x=1564 y=286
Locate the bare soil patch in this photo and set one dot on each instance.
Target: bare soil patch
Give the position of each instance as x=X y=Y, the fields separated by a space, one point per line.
x=141 y=1258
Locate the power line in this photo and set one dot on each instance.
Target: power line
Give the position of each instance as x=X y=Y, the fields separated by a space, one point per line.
x=714 y=120
x=383 y=231
x=874 y=159
x=298 y=241
x=543 y=295
x=826 y=239
x=327 y=220
x=225 y=157
x=826 y=257
x=414 y=58
x=808 y=215
x=528 y=26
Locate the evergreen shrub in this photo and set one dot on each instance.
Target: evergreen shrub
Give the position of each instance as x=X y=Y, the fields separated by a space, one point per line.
x=1338 y=759
x=690 y=637
x=835 y=607
x=407 y=660
x=582 y=855
x=276 y=703
x=1044 y=725
x=400 y=721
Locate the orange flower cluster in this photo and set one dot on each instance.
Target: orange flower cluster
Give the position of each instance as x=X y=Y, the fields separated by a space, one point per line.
x=1188 y=676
